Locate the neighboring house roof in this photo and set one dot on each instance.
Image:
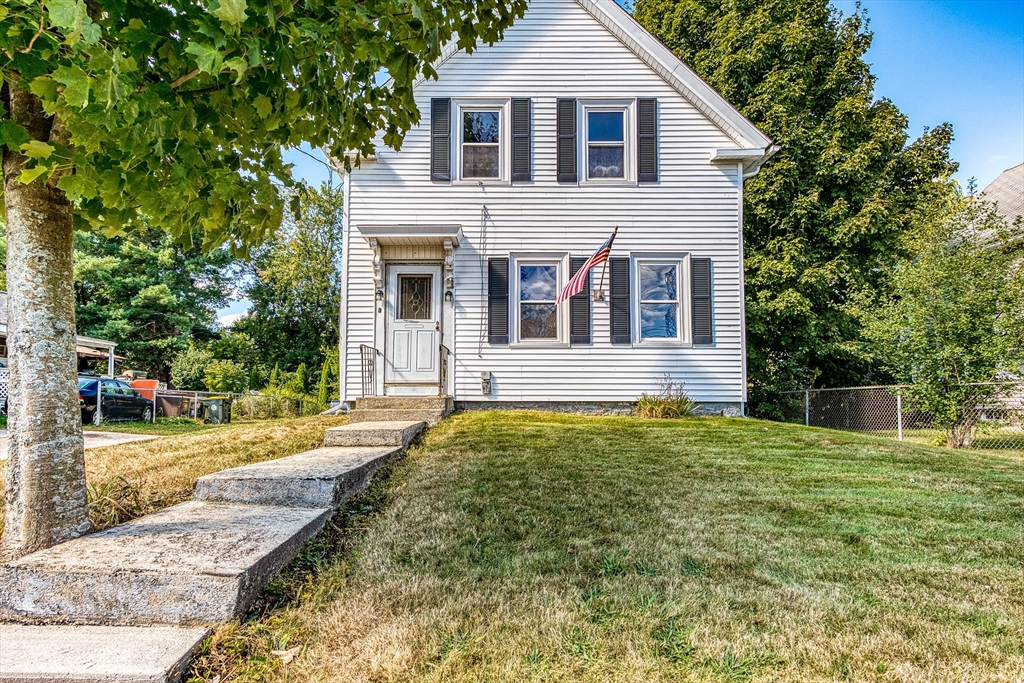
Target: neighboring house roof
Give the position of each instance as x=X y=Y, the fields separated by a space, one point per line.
x=1007 y=193
x=757 y=146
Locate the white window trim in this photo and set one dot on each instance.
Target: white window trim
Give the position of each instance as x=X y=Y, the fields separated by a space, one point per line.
x=561 y=259
x=504 y=138
x=628 y=107
x=682 y=261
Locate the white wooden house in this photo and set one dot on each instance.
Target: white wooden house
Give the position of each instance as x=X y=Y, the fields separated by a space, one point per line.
x=530 y=152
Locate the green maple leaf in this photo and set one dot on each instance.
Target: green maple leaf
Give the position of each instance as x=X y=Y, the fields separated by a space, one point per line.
x=231 y=11
x=34 y=149
x=208 y=58
x=76 y=85
x=67 y=14
x=12 y=134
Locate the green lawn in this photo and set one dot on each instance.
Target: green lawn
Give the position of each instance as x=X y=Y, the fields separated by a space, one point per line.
x=537 y=547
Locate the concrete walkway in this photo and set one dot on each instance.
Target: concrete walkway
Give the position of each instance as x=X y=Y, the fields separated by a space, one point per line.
x=169 y=576
x=93 y=439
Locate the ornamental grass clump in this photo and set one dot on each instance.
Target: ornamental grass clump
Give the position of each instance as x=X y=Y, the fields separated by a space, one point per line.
x=670 y=402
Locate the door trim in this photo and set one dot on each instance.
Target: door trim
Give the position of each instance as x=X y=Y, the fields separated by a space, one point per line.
x=393 y=271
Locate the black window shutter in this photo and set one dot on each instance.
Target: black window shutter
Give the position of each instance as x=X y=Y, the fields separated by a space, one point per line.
x=497 y=300
x=647 y=140
x=565 y=126
x=440 y=138
x=579 y=306
x=700 y=286
x=620 y=300
x=521 y=140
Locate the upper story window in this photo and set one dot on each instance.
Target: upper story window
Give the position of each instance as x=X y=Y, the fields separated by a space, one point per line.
x=481 y=143
x=659 y=300
x=606 y=143
x=538 y=289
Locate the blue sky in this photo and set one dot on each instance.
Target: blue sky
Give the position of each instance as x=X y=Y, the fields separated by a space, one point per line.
x=960 y=61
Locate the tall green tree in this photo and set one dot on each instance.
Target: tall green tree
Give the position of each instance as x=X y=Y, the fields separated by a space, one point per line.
x=148 y=294
x=824 y=217
x=120 y=114
x=295 y=284
x=953 y=315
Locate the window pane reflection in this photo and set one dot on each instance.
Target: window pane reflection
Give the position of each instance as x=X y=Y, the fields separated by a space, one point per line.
x=657 y=282
x=604 y=126
x=480 y=126
x=658 y=321
x=538 y=283
x=538 y=321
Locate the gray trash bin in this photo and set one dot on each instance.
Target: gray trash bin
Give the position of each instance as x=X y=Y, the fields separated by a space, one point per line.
x=217 y=409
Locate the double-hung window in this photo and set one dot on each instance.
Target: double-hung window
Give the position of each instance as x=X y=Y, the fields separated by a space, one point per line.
x=537 y=290
x=660 y=300
x=481 y=143
x=606 y=143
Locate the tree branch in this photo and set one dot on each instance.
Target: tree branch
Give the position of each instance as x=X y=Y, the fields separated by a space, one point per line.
x=186 y=78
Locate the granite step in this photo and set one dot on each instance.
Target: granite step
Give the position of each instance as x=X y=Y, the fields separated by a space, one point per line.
x=322 y=478
x=396 y=415
x=95 y=654
x=398 y=434
x=443 y=403
x=194 y=563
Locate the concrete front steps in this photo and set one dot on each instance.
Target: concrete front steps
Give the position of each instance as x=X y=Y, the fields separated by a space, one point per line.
x=193 y=563
x=166 y=577
x=96 y=654
x=384 y=433
x=429 y=409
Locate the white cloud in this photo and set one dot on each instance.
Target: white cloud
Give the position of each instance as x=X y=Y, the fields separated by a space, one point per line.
x=227 y=321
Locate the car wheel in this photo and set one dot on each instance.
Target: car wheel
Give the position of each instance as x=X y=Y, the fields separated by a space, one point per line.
x=147 y=414
x=88 y=417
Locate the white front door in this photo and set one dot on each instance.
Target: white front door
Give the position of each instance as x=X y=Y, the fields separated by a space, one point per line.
x=413 y=325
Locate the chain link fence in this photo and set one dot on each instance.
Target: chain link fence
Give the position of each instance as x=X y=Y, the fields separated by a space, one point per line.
x=987 y=416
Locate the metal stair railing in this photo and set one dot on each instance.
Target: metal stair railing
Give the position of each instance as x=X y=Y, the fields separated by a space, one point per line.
x=368 y=366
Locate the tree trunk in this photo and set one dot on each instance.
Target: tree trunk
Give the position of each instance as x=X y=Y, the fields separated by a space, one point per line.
x=45 y=492
x=960 y=434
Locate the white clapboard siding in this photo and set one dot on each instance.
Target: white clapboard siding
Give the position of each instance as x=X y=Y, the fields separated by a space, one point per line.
x=560 y=50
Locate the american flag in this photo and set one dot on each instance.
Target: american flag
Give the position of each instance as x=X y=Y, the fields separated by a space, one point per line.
x=578 y=280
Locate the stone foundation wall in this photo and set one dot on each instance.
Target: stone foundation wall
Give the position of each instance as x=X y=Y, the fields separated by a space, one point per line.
x=594 y=408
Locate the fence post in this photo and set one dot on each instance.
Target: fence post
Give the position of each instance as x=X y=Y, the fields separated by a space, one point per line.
x=98 y=417
x=156 y=393
x=899 y=416
x=807 y=408
x=195 y=405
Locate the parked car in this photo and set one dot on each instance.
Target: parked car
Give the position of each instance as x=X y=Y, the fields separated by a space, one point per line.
x=120 y=401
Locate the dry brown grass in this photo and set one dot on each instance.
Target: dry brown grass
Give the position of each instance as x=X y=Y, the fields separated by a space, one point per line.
x=533 y=547
x=162 y=472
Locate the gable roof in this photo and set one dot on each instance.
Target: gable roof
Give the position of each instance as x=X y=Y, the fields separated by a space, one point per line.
x=756 y=147
x=676 y=73
x=666 y=64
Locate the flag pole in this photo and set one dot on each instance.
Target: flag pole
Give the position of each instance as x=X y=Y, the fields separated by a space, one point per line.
x=599 y=292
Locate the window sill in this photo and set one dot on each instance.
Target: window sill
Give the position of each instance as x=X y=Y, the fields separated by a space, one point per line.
x=480 y=181
x=663 y=343
x=539 y=345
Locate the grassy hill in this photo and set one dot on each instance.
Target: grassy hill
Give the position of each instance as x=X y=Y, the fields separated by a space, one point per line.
x=539 y=547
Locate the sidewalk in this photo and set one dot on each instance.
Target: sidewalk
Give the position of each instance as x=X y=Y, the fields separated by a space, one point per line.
x=92 y=440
